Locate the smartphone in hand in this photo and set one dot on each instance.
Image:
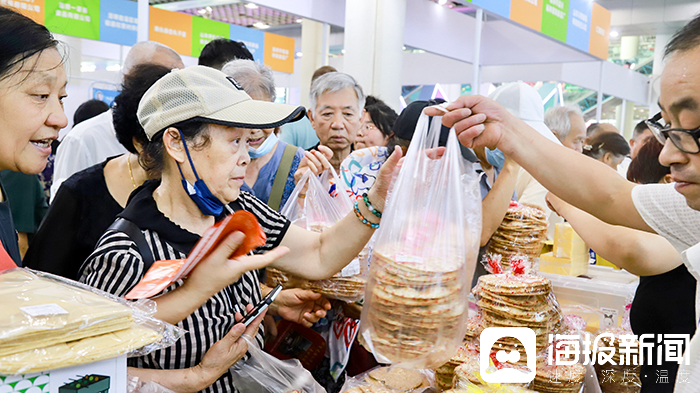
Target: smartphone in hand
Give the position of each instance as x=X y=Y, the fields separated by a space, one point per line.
x=262 y=306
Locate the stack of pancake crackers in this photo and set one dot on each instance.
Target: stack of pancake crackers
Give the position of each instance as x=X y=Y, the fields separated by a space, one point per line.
x=619 y=378
x=522 y=232
x=417 y=306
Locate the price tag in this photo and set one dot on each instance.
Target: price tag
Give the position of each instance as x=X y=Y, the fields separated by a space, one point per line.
x=42 y=310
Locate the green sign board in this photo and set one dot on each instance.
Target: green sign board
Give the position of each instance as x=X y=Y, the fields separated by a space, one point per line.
x=78 y=18
x=555 y=18
x=205 y=31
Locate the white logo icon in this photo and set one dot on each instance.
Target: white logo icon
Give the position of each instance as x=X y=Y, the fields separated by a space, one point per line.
x=507 y=375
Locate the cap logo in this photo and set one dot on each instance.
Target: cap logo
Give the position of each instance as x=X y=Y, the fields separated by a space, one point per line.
x=233 y=82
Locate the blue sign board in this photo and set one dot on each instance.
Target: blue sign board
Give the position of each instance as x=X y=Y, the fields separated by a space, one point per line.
x=253 y=39
x=579 y=30
x=118 y=21
x=104 y=95
x=500 y=7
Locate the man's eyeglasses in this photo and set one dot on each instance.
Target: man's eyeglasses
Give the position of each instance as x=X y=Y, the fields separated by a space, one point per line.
x=684 y=140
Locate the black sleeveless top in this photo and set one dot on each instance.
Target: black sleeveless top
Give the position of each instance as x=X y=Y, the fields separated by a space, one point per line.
x=663 y=304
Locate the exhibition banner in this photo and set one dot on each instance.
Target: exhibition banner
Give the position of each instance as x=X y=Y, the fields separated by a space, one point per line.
x=33 y=9
x=555 y=18
x=105 y=95
x=205 y=31
x=279 y=52
x=173 y=29
x=119 y=21
x=578 y=33
x=500 y=7
x=527 y=13
x=253 y=39
x=78 y=18
x=600 y=31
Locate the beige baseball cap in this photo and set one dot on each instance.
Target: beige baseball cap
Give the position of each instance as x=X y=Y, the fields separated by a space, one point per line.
x=207 y=94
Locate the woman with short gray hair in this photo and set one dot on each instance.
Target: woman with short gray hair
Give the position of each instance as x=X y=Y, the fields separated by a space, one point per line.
x=269 y=156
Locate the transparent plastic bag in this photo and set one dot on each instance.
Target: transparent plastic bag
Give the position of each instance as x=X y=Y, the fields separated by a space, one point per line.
x=136 y=385
x=390 y=380
x=317 y=211
x=522 y=232
x=49 y=321
x=416 y=302
x=263 y=373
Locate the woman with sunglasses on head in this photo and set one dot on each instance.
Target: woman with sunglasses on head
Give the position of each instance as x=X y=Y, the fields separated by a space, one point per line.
x=198 y=122
x=32 y=89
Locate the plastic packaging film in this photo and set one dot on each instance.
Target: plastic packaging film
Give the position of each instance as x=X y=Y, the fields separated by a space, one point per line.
x=49 y=322
x=390 y=380
x=522 y=232
x=316 y=212
x=416 y=303
x=263 y=373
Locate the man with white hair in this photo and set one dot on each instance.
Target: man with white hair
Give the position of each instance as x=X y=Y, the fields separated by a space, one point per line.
x=336 y=104
x=94 y=140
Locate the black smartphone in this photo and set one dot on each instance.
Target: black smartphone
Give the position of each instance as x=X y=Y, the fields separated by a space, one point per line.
x=262 y=306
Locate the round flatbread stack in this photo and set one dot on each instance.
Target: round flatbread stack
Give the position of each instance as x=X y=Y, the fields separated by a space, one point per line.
x=559 y=378
x=415 y=305
x=522 y=232
x=392 y=380
x=444 y=375
x=508 y=300
x=618 y=378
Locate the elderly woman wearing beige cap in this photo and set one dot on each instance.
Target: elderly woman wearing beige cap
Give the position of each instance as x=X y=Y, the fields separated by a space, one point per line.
x=198 y=122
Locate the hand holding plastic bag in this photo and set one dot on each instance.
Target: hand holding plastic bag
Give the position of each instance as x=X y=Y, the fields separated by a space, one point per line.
x=263 y=373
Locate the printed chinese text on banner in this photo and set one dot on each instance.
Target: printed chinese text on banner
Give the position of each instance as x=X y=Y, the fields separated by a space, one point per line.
x=33 y=9
x=555 y=18
x=205 y=31
x=78 y=18
x=253 y=39
x=500 y=7
x=600 y=31
x=578 y=33
x=279 y=52
x=527 y=13
x=173 y=29
x=119 y=21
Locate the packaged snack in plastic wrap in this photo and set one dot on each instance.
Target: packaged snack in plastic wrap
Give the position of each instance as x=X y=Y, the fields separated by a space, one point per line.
x=467 y=377
x=316 y=212
x=163 y=273
x=517 y=298
x=560 y=378
x=49 y=322
x=522 y=232
x=444 y=375
x=263 y=373
x=415 y=308
x=390 y=380
x=622 y=377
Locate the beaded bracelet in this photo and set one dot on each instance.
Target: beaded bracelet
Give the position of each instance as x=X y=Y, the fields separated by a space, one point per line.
x=371 y=208
x=363 y=219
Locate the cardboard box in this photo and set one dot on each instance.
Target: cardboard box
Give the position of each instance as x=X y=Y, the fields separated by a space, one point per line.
x=104 y=376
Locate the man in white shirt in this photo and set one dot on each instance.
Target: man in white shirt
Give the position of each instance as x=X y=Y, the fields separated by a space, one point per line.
x=94 y=140
x=671 y=210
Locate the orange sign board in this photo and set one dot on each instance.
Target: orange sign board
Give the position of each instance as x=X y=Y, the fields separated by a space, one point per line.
x=173 y=29
x=600 y=32
x=527 y=13
x=31 y=8
x=279 y=53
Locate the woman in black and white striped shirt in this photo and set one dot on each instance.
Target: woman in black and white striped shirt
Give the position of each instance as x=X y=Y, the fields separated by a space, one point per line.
x=199 y=118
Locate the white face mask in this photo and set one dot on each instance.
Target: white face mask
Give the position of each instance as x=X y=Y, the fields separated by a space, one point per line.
x=264 y=148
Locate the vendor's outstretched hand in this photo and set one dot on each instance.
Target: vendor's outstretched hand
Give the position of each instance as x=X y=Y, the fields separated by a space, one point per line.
x=478 y=121
x=300 y=306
